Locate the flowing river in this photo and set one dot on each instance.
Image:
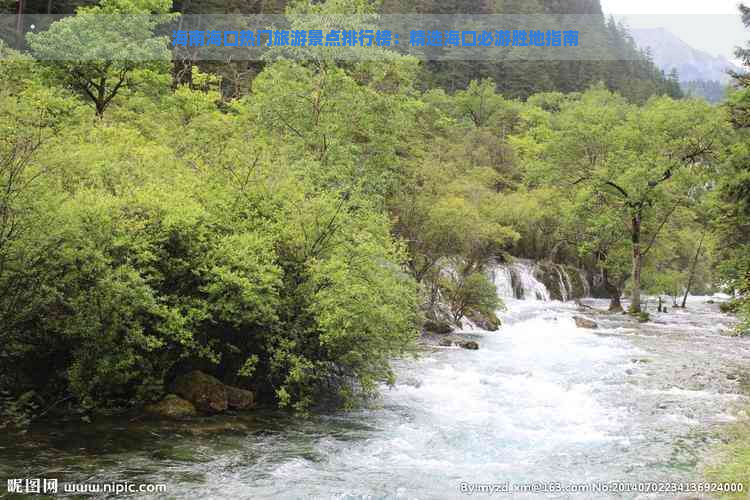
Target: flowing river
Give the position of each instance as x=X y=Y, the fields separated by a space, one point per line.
x=541 y=400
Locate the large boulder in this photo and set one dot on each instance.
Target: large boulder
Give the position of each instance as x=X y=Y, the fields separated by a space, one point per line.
x=207 y=393
x=239 y=399
x=584 y=322
x=173 y=407
x=437 y=326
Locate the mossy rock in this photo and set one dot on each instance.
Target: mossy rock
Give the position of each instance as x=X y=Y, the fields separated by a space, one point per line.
x=489 y=322
x=576 y=282
x=239 y=399
x=207 y=393
x=437 y=326
x=173 y=407
x=547 y=274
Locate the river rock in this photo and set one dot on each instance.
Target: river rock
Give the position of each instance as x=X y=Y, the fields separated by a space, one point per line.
x=469 y=344
x=239 y=399
x=459 y=342
x=172 y=406
x=207 y=393
x=585 y=322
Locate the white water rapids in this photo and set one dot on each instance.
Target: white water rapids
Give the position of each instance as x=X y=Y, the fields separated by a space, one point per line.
x=541 y=400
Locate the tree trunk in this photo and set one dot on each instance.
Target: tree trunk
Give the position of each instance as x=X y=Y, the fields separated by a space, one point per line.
x=613 y=291
x=614 y=304
x=635 y=299
x=101 y=101
x=19 y=23
x=692 y=270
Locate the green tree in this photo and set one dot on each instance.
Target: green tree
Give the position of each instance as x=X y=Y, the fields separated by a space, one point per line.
x=640 y=163
x=98 y=51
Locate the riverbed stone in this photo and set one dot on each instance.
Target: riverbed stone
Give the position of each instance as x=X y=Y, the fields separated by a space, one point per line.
x=173 y=407
x=207 y=393
x=445 y=343
x=469 y=344
x=582 y=322
x=639 y=361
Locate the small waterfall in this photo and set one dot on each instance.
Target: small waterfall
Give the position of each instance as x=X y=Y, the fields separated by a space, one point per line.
x=528 y=280
x=566 y=288
x=501 y=276
x=518 y=281
x=585 y=283
x=533 y=289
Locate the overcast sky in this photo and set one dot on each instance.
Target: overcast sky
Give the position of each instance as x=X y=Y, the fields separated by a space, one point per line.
x=713 y=26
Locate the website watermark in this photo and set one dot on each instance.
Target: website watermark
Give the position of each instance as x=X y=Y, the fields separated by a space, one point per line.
x=616 y=487
x=51 y=486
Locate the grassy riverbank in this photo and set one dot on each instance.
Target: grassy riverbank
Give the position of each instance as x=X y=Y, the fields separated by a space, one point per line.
x=733 y=461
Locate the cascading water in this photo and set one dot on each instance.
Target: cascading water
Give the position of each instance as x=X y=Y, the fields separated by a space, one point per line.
x=585 y=283
x=518 y=281
x=564 y=282
x=531 y=287
x=503 y=279
x=525 y=280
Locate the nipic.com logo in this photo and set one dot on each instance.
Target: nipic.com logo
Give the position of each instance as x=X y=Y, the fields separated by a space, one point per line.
x=35 y=485
x=53 y=486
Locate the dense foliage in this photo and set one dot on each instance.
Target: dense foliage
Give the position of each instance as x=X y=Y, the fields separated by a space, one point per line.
x=293 y=237
x=732 y=212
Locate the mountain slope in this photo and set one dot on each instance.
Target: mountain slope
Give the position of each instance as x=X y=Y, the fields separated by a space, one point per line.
x=670 y=52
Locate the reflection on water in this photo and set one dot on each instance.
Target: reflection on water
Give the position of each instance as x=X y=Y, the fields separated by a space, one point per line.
x=541 y=400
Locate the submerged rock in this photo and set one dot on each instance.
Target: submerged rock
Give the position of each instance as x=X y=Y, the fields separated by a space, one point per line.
x=459 y=342
x=469 y=344
x=182 y=454
x=173 y=407
x=207 y=393
x=585 y=322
